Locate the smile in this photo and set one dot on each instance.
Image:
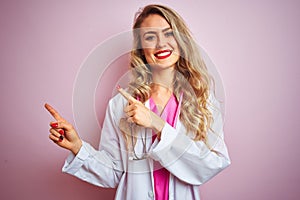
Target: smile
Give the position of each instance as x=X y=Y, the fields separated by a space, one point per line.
x=163 y=54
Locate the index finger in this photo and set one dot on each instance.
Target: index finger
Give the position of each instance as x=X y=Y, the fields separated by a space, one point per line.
x=126 y=95
x=53 y=112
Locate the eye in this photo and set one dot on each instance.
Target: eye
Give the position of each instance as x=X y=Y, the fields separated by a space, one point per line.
x=169 y=34
x=150 y=37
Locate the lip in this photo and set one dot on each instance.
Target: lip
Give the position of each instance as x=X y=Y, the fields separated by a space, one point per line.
x=163 y=54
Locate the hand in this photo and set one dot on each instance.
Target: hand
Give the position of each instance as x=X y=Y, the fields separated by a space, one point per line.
x=62 y=132
x=138 y=113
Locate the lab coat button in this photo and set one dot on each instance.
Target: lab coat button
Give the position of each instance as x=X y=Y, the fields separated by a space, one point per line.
x=150 y=193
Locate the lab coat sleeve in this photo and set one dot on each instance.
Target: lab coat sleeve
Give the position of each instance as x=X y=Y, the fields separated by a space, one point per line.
x=193 y=162
x=101 y=167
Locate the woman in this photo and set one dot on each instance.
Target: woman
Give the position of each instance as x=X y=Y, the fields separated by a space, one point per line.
x=163 y=137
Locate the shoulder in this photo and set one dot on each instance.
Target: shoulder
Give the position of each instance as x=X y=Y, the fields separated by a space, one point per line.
x=117 y=101
x=214 y=104
x=116 y=105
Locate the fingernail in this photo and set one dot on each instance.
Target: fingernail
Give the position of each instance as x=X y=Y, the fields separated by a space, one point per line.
x=61 y=138
x=54 y=125
x=118 y=87
x=61 y=131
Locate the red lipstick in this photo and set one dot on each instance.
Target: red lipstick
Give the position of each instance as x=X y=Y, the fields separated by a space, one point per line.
x=163 y=54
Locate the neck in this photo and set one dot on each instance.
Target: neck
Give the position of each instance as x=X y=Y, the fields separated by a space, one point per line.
x=163 y=78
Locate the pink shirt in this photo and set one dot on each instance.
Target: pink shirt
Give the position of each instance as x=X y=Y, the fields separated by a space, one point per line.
x=161 y=175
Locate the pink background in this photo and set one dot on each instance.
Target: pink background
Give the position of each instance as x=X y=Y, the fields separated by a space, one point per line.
x=255 y=45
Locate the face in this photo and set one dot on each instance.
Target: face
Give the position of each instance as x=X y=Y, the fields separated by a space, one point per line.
x=159 y=45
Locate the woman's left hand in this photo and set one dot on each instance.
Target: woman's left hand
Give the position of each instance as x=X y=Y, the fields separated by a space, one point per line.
x=138 y=113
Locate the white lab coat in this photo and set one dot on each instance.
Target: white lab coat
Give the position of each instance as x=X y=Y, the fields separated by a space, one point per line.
x=189 y=162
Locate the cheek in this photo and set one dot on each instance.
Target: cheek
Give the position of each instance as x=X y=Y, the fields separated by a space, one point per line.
x=148 y=53
x=149 y=59
x=174 y=44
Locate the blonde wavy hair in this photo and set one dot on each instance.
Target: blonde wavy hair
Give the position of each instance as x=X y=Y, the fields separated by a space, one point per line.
x=192 y=76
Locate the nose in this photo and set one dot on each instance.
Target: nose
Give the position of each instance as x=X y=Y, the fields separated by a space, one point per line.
x=161 y=41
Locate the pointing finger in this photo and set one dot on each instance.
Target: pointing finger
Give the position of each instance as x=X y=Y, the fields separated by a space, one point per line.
x=53 y=112
x=126 y=95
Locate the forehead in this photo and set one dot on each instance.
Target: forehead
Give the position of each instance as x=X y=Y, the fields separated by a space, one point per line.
x=154 y=22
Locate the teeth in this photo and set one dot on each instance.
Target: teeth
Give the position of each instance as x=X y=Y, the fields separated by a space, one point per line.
x=164 y=53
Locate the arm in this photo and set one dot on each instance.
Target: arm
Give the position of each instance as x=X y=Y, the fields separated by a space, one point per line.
x=192 y=161
x=102 y=168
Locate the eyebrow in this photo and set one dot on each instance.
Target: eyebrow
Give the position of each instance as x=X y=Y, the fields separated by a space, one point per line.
x=153 y=32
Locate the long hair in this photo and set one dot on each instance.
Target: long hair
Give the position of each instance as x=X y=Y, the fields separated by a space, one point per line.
x=192 y=76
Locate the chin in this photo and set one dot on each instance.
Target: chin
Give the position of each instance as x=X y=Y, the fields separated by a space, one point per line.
x=162 y=66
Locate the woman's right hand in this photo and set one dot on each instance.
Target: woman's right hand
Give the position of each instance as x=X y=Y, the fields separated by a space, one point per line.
x=63 y=133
